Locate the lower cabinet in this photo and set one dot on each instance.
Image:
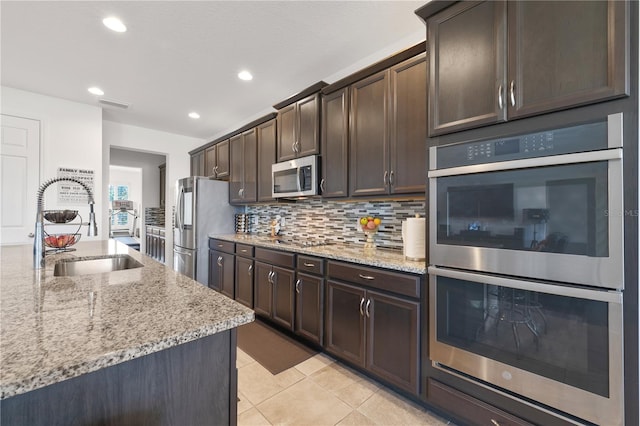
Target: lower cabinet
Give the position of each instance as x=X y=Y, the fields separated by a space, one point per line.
x=375 y=329
x=309 y=306
x=244 y=275
x=222 y=267
x=274 y=286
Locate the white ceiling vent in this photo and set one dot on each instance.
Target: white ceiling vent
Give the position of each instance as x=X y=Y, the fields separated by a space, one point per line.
x=113 y=103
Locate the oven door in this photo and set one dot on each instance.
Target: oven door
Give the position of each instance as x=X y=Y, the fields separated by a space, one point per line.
x=552 y=218
x=558 y=345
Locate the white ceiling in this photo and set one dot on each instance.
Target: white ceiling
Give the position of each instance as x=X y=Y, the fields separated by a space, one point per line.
x=182 y=56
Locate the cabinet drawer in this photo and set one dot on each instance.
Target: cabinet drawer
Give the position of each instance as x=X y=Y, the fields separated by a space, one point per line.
x=220 y=245
x=405 y=284
x=468 y=408
x=244 y=250
x=311 y=265
x=274 y=257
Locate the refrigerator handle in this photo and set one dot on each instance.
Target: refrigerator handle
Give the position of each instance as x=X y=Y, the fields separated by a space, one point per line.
x=179 y=209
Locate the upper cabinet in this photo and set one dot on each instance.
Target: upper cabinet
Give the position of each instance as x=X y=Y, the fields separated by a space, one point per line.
x=216 y=160
x=266 y=157
x=495 y=61
x=387 y=131
x=197 y=163
x=335 y=144
x=299 y=124
x=243 y=175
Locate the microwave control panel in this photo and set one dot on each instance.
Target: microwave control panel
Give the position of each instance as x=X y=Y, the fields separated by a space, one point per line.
x=582 y=138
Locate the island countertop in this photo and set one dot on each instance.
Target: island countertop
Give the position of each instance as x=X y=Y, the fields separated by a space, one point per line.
x=57 y=328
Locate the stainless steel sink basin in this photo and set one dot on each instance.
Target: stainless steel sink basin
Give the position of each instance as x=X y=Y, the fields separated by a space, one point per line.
x=95 y=265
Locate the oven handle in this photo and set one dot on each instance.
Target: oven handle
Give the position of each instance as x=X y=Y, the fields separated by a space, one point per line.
x=555 y=289
x=554 y=160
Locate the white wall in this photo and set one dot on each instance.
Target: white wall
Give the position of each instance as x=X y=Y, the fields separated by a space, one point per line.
x=176 y=149
x=71 y=136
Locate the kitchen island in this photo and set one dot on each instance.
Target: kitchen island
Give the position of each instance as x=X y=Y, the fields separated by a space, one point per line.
x=138 y=346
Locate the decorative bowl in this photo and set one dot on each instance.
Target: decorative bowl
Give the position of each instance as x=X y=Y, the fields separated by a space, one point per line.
x=59 y=241
x=60 y=216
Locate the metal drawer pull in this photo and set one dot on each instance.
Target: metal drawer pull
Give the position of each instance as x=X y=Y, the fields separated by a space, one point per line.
x=495 y=423
x=366 y=277
x=249 y=269
x=366 y=309
x=220 y=245
x=309 y=265
x=361 y=304
x=512 y=93
x=243 y=250
x=298 y=286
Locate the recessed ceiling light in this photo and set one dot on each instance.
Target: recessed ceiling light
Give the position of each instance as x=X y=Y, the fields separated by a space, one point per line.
x=245 y=75
x=194 y=115
x=96 y=91
x=114 y=24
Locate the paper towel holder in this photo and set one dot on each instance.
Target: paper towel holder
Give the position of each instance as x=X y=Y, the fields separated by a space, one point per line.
x=404 y=239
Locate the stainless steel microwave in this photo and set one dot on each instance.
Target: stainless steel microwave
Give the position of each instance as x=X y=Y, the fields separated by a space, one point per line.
x=295 y=178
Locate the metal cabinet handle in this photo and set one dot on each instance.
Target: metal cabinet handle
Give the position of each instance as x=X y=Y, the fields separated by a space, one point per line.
x=322 y=185
x=366 y=277
x=293 y=146
x=500 y=101
x=309 y=265
x=361 y=305
x=495 y=423
x=270 y=277
x=391 y=178
x=274 y=277
x=249 y=269
x=384 y=177
x=366 y=309
x=298 y=286
x=220 y=245
x=219 y=260
x=512 y=93
x=243 y=250
x=297 y=147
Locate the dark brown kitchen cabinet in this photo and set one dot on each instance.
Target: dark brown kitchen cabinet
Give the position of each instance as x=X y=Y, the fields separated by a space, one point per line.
x=387 y=139
x=163 y=183
x=468 y=408
x=197 y=163
x=243 y=167
x=216 y=161
x=244 y=275
x=374 y=329
x=335 y=144
x=266 y=157
x=299 y=126
x=274 y=286
x=496 y=61
x=221 y=272
x=309 y=299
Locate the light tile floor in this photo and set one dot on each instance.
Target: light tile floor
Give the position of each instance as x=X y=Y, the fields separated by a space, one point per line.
x=319 y=392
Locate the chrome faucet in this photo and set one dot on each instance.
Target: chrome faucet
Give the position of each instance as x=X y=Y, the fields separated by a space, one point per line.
x=38 y=241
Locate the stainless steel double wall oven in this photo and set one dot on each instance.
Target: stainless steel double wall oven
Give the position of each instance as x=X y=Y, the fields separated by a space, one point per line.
x=526 y=265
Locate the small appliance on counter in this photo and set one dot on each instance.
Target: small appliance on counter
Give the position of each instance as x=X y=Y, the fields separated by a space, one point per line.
x=414 y=238
x=202 y=207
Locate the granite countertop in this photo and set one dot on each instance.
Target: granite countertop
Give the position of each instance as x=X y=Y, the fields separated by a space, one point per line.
x=57 y=328
x=381 y=258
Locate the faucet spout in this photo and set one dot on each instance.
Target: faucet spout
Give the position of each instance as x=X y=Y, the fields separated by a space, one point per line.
x=38 y=240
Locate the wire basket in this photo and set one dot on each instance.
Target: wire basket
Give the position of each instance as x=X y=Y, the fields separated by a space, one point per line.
x=60 y=216
x=61 y=241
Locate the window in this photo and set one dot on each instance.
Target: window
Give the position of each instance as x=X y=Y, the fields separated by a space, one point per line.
x=119 y=192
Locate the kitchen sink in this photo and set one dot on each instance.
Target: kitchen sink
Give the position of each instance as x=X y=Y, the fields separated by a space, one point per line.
x=95 y=265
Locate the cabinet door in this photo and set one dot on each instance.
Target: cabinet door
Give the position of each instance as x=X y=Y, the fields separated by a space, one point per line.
x=222 y=160
x=563 y=54
x=266 y=157
x=236 y=175
x=408 y=127
x=250 y=188
x=244 y=281
x=286 y=132
x=309 y=307
x=308 y=126
x=210 y=161
x=369 y=135
x=262 y=290
x=215 y=270
x=163 y=184
x=197 y=164
x=335 y=144
x=393 y=336
x=344 y=322
x=467 y=66
x=283 y=297
x=227 y=270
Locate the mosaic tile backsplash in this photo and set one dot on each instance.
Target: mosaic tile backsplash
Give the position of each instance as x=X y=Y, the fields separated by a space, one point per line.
x=336 y=220
x=154 y=216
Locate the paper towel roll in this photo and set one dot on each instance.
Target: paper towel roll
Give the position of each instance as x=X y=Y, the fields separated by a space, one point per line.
x=413 y=234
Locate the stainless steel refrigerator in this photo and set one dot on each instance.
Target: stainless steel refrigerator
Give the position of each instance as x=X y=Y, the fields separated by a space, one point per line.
x=202 y=207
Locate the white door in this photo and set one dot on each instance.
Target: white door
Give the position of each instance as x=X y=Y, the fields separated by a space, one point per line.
x=19 y=178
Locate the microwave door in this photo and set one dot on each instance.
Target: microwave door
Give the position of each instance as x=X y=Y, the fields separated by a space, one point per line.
x=301 y=182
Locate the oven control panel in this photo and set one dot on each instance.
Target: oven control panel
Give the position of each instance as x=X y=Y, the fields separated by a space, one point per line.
x=585 y=137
